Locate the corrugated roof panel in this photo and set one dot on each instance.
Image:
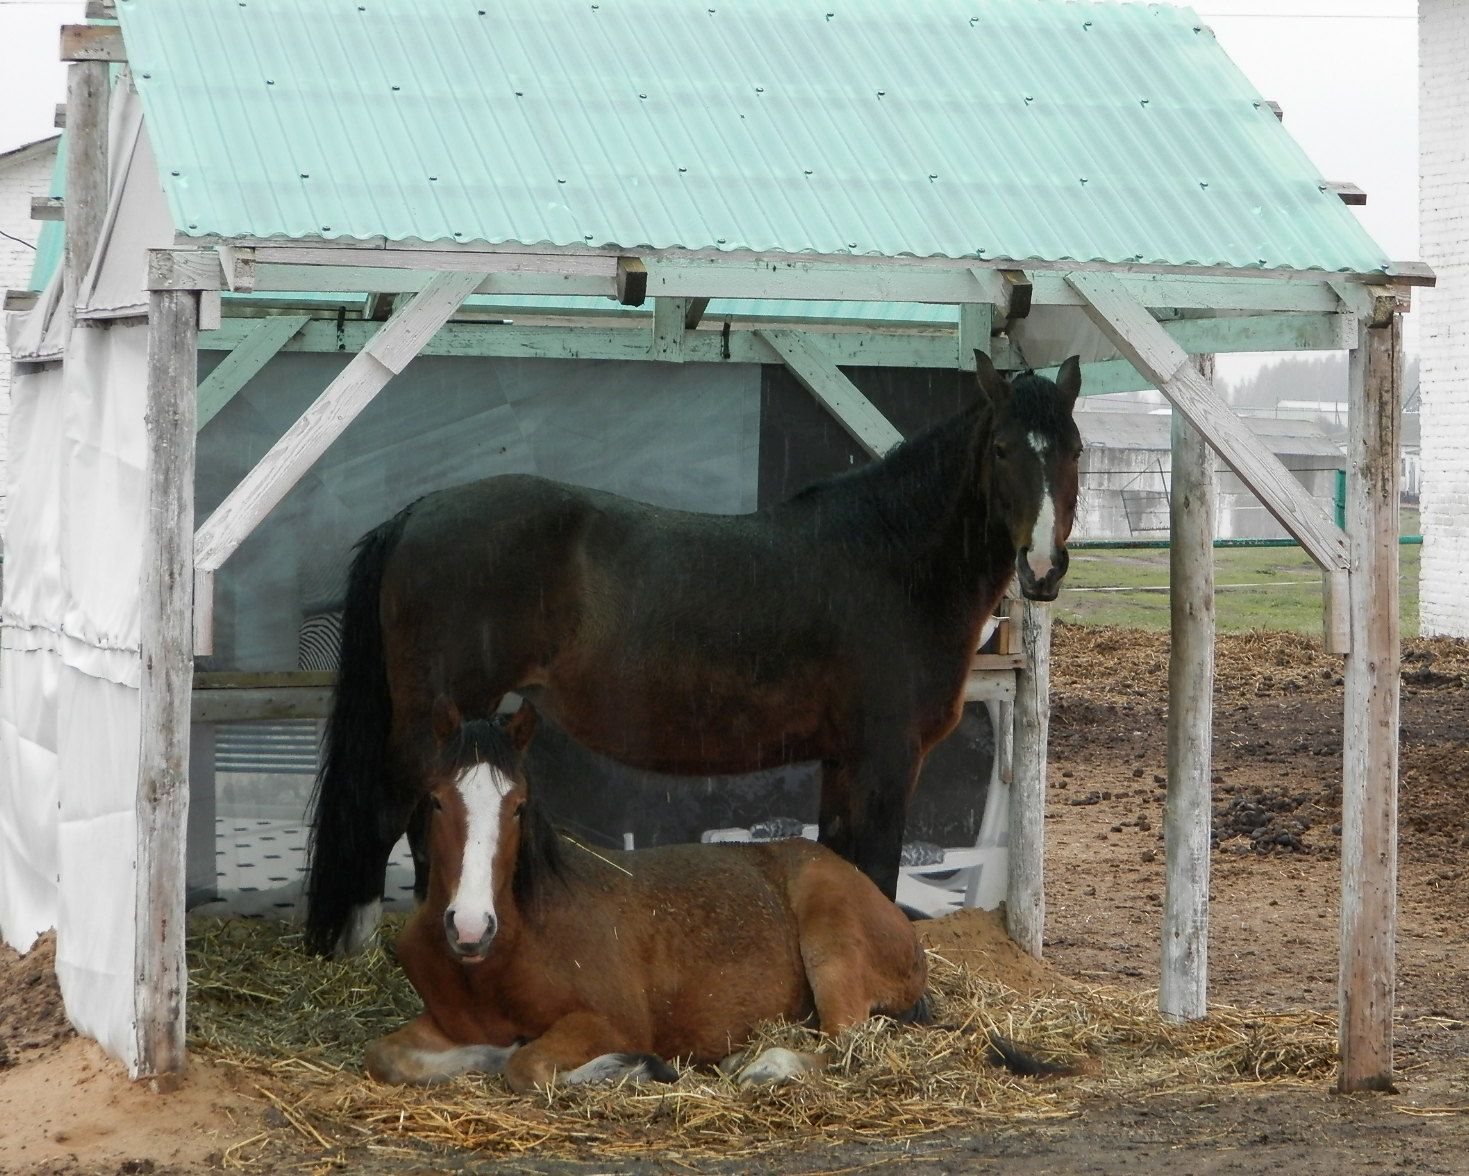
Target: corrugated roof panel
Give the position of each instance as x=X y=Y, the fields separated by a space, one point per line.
x=1033 y=130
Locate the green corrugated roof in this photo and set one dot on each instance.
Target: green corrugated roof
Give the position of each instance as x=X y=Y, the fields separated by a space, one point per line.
x=1037 y=130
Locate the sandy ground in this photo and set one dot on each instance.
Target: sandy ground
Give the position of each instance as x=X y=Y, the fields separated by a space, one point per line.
x=64 y=1108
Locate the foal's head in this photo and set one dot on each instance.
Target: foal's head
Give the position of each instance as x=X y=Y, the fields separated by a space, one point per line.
x=1035 y=451
x=480 y=825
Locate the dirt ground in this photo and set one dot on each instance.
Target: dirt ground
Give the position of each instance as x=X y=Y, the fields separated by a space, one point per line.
x=1273 y=931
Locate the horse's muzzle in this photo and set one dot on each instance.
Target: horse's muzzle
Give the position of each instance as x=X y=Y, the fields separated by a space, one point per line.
x=470 y=951
x=1044 y=588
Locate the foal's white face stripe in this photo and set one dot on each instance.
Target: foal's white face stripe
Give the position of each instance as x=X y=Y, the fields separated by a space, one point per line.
x=1042 y=554
x=483 y=790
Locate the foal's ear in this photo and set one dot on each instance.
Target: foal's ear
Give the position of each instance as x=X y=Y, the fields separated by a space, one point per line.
x=445 y=719
x=991 y=383
x=522 y=726
x=1068 y=381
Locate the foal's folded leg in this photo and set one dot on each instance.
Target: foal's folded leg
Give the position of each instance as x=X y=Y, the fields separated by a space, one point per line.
x=776 y=1064
x=419 y=1054
x=583 y=1048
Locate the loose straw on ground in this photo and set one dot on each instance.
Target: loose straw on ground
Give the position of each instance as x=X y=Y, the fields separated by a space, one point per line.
x=298 y=1026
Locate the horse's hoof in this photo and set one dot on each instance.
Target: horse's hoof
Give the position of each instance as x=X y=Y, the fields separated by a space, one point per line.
x=778 y=1065
x=360 y=930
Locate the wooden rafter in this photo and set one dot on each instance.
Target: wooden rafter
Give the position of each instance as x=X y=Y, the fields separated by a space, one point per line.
x=236 y=370
x=389 y=351
x=837 y=394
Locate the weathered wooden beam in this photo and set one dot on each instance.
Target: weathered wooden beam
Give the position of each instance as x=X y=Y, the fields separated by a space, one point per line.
x=58 y=119
x=1349 y=193
x=631 y=281
x=20 y=299
x=100 y=10
x=1025 y=906
x=976 y=321
x=1369 y=838
x=385 y=355
x=164 y=696
x=1184 y=989
x=184 y=269
x=1143 y=342
x=88 y=92
x=99 y=43
x=48 y=208
x=694 y=312
x=837 y=394
x=243 y=363
x=668 y=329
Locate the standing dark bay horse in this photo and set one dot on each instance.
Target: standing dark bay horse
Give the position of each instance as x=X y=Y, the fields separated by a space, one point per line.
x=605 y=965
x=838 y=626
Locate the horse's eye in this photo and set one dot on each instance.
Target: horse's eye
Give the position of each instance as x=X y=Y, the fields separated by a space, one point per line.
x=434 y=800
x=1002 y=451
x=520 y=808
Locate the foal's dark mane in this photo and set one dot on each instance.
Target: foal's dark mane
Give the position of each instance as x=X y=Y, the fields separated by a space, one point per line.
x=485 y=741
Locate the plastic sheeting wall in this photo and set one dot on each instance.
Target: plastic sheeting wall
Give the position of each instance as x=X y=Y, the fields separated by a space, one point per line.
x=69 y=686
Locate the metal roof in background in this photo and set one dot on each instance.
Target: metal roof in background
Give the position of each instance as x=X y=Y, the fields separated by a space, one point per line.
x=1151 y=430
x=1034 y=130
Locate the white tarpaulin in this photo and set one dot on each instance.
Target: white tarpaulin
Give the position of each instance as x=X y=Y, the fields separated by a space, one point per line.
x=69 y=670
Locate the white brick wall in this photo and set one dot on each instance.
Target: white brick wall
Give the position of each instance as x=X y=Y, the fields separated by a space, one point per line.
x=26 y=175
x=1443 y=138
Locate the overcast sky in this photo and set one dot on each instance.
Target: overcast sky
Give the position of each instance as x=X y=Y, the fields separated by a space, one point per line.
x=1345 y=72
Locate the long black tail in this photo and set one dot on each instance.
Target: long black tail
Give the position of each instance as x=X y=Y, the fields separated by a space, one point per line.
x=354 y=808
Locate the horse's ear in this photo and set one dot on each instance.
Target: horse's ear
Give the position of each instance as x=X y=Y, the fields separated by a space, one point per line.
x=1068 y=381
x=522 y=726
x=991 y=383
x=446 y=719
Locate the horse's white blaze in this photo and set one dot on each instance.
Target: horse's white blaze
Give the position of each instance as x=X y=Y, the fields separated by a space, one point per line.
x=1042 y=553
x=483 y=789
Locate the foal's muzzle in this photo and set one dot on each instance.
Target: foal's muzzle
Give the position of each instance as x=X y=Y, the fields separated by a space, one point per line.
x=1043 y=588
x=471 y=950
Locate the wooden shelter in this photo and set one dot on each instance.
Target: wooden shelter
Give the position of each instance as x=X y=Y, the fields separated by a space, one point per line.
x=854 y=184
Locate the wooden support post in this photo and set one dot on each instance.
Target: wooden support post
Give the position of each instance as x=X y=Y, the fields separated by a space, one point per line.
x=1183 y=992
x=837 y=394
x=976 y=320
x=87 y=92
x=386 y=354
x=165 y=630
x=1025 y=908
x=694 y=312
x=1369 y=844
x=668 y=329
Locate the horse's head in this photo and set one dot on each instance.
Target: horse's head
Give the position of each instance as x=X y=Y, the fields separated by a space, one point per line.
x=1034 y=455
x=478 y=823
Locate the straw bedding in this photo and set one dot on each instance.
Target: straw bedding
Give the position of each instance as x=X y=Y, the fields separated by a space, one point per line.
x=296 y=1028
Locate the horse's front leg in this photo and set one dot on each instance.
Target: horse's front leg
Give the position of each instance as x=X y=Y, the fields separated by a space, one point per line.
x=420 y=1054
x=864 y=808
x=582 y=1048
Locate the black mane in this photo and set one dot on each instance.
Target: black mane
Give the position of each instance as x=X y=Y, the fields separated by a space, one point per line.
x=485 y=741
x=1037 y=404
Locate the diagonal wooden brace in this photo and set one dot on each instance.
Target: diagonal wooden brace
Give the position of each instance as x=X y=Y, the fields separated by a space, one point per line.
x=837 y=394
x=262 y=489
x=1146 y=345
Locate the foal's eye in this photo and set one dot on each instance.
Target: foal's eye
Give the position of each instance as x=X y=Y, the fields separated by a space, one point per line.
x=434 y=800
x=1002 y=451
x=520 y=808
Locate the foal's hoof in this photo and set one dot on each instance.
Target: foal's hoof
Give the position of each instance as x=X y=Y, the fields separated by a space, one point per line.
x=778 y=1065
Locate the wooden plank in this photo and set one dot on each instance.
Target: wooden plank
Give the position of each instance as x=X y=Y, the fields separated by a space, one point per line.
x=1349 y=192
x=668 y=329
x=1019 y=293
x=263 y=679
x=1369 y=839
x=237 y=268
x=631 y=282
x=92 y=43
x=289 y=458
x=976 y=321
x=210 y=310
x=1184 y=989
x=184 y=269
x=48 y=208
x=248 y=704
x=100 y=10
x=694 y=312
x=164 y=696
x=20 y=299
x=837 y=394
x=1025 y=905
x=88 y=92
x=1144 y=343
x=203 y=612
x=58 y=119
x=996 y=686
x=237 y=369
